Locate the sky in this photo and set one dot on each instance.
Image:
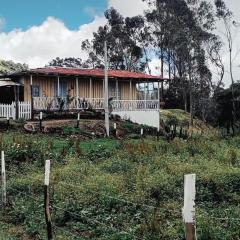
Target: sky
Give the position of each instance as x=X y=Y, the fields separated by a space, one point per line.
x=36 y=31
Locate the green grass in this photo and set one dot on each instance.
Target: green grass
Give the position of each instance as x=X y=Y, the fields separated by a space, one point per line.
x=108 y=190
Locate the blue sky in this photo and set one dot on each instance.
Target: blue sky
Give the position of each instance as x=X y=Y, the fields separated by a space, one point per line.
x=22 y=14
x=36 y=31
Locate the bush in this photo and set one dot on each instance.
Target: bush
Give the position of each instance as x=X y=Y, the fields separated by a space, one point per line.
x=97 y=153
x=69 y=130
x=172 y=120
x=23 y=152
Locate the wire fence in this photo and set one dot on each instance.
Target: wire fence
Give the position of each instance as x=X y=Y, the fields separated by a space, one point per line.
x=91 y=220
x=29 y=195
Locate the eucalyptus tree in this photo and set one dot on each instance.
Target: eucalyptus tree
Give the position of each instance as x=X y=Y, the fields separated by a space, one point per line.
x=224 y=14
x=180 y=29
x=125 y=37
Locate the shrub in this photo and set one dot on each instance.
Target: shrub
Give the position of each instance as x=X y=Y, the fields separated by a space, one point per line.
x=23 y=152
x=172 y=120
x=97 y=153
x=69 y=130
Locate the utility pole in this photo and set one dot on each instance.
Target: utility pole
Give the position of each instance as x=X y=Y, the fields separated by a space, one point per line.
x=106 y=90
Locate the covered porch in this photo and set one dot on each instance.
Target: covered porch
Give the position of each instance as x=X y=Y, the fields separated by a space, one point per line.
x=135 y=91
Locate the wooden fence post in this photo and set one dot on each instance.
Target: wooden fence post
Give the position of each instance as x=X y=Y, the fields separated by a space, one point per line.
x=46 y=200
x=115 y=129
x=3 y=176
x=78 y=120
x=8 y=122
x=141 y=132
x=40 y=121
x=188 y=210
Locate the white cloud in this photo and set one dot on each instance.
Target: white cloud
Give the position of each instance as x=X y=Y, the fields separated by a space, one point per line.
x=128 y=8
x=39 y=44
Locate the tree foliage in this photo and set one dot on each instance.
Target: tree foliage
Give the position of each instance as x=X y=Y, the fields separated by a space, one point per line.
x=10 y=66
x=70 y=62
x=124 y=37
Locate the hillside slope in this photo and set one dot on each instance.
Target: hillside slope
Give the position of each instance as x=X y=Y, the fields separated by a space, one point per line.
x=183 y=118
x=126 y=190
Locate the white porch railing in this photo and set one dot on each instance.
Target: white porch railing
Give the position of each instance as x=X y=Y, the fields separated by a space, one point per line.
x=56 y=104
x=131 y=105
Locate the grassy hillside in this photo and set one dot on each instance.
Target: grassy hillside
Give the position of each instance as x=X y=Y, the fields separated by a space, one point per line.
x=109 y=189
x=183 y=119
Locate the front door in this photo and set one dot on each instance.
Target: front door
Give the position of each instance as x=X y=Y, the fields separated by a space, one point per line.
x=62 y=88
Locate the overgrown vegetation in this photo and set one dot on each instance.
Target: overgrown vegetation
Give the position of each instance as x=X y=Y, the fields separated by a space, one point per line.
x=131 y=189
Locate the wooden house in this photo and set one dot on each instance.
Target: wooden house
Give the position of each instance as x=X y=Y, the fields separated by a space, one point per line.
x=71 y=89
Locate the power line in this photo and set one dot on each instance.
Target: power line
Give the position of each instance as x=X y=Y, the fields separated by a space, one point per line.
x=95 y=221
x=225 y=219
x=121 y=200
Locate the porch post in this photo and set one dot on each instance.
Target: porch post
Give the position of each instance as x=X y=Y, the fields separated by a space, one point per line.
x=103 y=88
x=77 y=92
x=130 y=89
x=58 y=86
x=117 y=96
x=77 y=89
x=162 y=90
x=16 y=93
x=31 y=92
x=148 y=90
x=158 y=94
x=145 y=95
x=90 y=90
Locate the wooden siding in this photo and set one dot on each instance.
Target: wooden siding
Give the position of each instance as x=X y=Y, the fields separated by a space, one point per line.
x=46 y=85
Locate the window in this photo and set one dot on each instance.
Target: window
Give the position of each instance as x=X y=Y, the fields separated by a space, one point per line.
x=36 y=91
x=63 y=91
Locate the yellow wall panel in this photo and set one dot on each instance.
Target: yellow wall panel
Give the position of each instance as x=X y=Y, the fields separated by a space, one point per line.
x=46 y=84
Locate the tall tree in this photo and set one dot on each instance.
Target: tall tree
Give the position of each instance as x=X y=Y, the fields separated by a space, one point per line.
x=180 y=29
x=124 y=38
x=224 y=14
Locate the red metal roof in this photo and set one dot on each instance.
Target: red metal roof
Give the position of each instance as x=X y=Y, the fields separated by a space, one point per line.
x=93 y=73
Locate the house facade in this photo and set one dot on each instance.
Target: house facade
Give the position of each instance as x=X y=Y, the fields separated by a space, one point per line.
x=71 y=89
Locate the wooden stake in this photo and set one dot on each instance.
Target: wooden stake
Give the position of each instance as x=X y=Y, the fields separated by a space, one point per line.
x=3 y=176
x=40 y=121
x=189 y=206
x=115 y=129
x=46 y=200
x=141 y=133
x=8 y=122
x=78 y=120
